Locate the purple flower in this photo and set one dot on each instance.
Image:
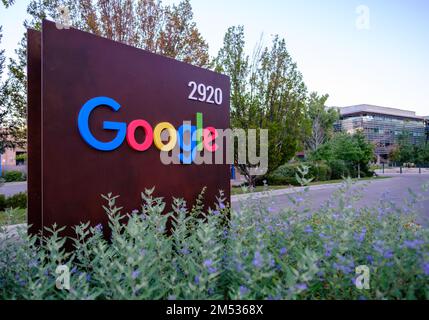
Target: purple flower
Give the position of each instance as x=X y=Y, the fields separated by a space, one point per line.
x=73 y=270
x=328 y=248
x=197 y=280
x=388 y=254
x=426 y=268
x=361 y=237
x=216 y=212
x=301 y=286
x=257 y=260
x=209 y=265
x=345 y=266
x=88 y=277
x=370 y=258
x=212 y=270
x=135 y=274
x=99 y=227
x=308 y=229
x=244 y=290
x=413 y=244
x=379 y=247
x=184 y=251
x=283 y=251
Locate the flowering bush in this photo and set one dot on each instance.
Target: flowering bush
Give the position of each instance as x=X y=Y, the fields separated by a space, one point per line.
x=253 y=253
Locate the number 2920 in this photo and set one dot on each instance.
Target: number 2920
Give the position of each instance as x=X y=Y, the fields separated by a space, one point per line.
x=203 y=93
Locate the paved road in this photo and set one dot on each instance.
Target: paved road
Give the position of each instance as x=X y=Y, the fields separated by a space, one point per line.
x=396 y=186
x=11 y=188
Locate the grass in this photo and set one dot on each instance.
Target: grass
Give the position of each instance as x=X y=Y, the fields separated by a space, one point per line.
x=16 y=216
x=239 y=190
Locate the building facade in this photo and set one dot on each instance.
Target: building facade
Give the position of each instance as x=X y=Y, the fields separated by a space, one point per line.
x=427 y=128
x=383 y=126
x=11 y=161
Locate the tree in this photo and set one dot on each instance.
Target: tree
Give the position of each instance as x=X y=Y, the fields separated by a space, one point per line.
x=406 y=152
x=266 y=93
x=11 y=129
x=8 y=3
x=146 y=24
x=353 y=150
x=321 y=120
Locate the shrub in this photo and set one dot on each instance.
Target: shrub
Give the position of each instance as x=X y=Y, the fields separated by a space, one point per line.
x=339 y=169
x=286 y=174
x=319 y=170
x=18 y=200
x=253 y=254
x=2 y=202
x=14 y=176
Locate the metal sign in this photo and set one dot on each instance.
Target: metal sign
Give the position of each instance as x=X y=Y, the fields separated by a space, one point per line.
x=98 y=116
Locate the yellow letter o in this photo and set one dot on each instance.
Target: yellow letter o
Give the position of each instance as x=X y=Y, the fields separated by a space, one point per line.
x=157 y=136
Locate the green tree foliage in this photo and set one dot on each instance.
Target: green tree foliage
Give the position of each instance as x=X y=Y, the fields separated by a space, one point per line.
x=146 y=24
x=405 y=152
x=267 y=92
x=7 y=3
x=10 y=128
x=321 y=120
x=354 y=150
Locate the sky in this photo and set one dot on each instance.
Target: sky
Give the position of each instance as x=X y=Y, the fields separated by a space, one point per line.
x=366 y=51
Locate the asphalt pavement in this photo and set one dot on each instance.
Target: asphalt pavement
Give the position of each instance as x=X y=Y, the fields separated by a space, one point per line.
x=395 y=188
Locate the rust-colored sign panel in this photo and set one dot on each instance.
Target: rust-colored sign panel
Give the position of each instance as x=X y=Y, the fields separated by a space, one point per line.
x=92 y=105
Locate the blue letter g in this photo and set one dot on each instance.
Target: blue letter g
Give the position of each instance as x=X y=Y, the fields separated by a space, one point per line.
x=86 y=134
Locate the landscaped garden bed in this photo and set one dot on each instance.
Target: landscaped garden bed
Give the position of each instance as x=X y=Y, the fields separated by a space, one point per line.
x=255 y=254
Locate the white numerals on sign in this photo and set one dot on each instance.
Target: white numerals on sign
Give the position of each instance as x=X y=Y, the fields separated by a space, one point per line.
x=203 y=93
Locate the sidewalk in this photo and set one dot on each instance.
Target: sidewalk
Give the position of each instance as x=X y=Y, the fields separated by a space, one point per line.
x=395 y=171
x=280 y=192
x=11 y=188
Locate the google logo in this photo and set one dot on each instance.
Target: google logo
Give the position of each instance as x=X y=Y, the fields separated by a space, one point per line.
x=200 y=138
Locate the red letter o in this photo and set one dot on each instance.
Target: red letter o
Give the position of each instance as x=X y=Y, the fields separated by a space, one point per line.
x=131 y=139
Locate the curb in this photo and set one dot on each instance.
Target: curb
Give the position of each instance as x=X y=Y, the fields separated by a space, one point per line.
x=279 y=192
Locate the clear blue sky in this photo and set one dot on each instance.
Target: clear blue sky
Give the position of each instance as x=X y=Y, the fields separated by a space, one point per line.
x=387 y=64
